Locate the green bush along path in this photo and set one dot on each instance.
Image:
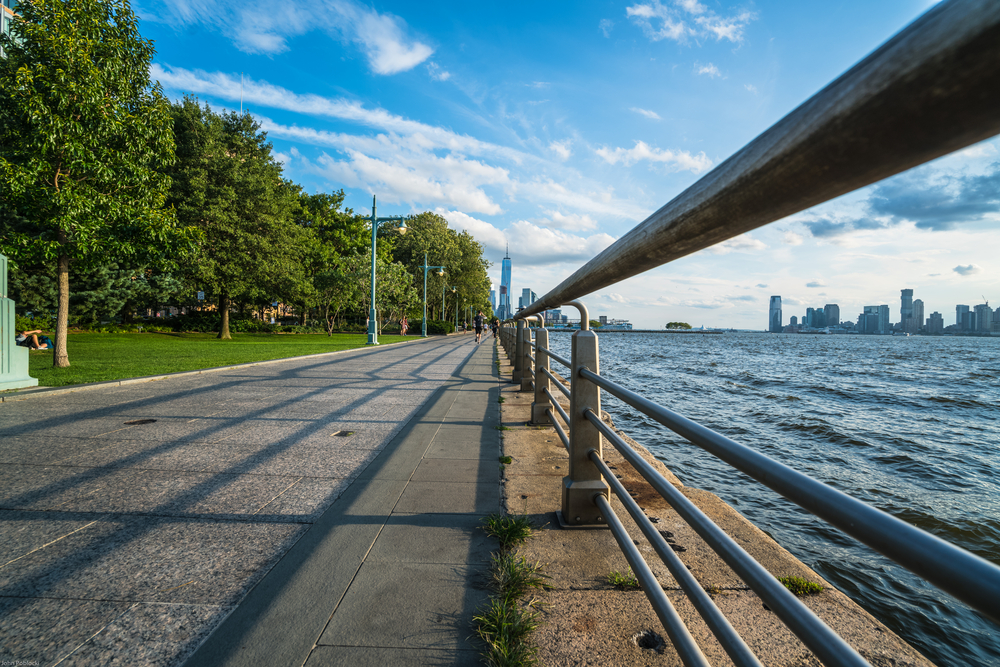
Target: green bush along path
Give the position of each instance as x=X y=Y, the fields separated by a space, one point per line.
x=102 y=357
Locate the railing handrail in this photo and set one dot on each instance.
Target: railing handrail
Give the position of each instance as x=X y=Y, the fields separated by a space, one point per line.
x=931 y=89
x=971 y=579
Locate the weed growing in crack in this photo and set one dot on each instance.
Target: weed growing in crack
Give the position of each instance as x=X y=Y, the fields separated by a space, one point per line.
x=623 y=580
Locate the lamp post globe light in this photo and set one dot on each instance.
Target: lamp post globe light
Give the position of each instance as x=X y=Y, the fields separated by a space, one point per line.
x=440 y=272
x=372 y=315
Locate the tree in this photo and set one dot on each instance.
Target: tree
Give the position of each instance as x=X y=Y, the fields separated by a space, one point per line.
x=394 y=290
x=336 y=233
x=82 y=133
x=678 y=325
x=227 y=184
x=459 y=253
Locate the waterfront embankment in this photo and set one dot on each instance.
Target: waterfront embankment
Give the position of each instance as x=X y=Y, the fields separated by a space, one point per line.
x=588 y=621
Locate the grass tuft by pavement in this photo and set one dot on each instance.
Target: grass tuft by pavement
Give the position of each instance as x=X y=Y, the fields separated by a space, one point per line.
x=104 y=357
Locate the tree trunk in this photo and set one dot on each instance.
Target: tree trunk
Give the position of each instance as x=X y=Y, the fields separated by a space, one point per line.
x=305 y=315
x=224 y=311
x=61 y=358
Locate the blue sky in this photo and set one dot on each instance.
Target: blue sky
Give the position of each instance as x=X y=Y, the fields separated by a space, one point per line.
x=558 y=126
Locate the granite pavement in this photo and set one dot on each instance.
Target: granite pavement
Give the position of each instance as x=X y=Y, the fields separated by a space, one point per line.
x=321 y=510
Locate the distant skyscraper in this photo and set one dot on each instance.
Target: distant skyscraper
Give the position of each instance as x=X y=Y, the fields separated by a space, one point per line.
x=983 y=316
x=527 y=297
x=883 y=319
x=905 y=306
x=493 y=300
x=810 y=316
x=918 y=317
x=793 y=321
x=832 y=312
x=774 y=315
x=503 y=308
x=960 y=313
x=935 y=323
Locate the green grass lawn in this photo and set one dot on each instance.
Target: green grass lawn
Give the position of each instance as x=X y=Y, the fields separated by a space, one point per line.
x=101 y=357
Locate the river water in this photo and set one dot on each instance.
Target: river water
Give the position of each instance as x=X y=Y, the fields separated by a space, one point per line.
x=910 y=425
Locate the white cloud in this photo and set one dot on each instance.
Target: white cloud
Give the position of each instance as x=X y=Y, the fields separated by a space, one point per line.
x=437 y=73
x=539 y=245
x=646 y=112
x=484 y=232
x=752 y=88
x=815 y=283
x=791 y=238
x=606 y=25
x=616 y=297
x=967 y=270
x=687 y=19
x=538 y=85
x=681 y=160
x=741 y=243
x=561 y=148
x=571 y=221
x=709 y=69
x=255 y=27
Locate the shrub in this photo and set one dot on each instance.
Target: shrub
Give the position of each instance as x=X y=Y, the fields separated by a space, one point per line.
x=439 y=327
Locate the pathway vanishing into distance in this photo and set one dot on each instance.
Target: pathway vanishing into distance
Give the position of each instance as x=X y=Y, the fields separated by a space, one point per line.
x=321 y=510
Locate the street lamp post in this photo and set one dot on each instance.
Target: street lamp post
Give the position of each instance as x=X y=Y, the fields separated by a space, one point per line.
x=372 y=315
x=440 y=272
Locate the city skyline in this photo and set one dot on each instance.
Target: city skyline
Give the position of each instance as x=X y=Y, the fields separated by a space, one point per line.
x=558 y=131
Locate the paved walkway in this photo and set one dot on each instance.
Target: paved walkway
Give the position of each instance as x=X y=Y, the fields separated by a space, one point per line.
x=317 y=511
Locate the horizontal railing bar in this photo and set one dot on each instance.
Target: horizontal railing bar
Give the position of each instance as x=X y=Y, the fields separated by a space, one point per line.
x=968 y=577
x=559 y=385
x=680 y=636
x=730 y=640
x=828 y=646
x=929 y=90
x=553 y=355
x=558 y=428
x=559 y=408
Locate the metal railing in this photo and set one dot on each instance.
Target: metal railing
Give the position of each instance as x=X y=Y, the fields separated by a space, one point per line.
x=932 y=89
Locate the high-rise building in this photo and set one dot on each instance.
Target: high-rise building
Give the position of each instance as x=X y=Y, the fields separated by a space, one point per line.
x=832 y=312
x=875 y=319
x=960 y=315
x=995 y=324
x=883 y=319
x=493 y=300
x=504 y=311
x=984 y=315
x=905 y=306
x=6 y=17
x=527 y=297
x=793 y=321
x=774 y=315
x=808 y=319
x=917 y=320
x=935 y=323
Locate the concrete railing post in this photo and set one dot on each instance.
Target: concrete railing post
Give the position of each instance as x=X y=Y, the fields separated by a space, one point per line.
x=542 y=382
x=518 y=360
x=584 y=480
x=526 y=369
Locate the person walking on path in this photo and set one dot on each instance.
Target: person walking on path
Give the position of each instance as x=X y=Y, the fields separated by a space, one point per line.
x=495 y=326
x=478 y=321
x=403 y=326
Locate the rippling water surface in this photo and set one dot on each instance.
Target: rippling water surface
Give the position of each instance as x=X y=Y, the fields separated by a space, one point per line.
x=909 y=425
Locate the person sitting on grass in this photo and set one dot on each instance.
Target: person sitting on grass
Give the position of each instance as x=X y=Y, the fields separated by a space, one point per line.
x=30 y=340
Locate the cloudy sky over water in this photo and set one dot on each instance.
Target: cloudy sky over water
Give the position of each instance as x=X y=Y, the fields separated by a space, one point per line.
x=558 y=126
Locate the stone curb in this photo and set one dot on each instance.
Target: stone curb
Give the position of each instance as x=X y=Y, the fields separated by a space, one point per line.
x=55 y=391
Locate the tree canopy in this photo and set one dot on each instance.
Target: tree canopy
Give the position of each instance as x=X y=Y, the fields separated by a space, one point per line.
x=83 y=139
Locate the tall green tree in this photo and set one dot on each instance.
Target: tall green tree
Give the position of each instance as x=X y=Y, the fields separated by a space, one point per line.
x=82 y=135
x=227 y=184
x=458 y=252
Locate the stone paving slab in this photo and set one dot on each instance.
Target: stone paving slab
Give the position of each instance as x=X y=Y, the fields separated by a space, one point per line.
x=397 y=564
x=129 y=544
